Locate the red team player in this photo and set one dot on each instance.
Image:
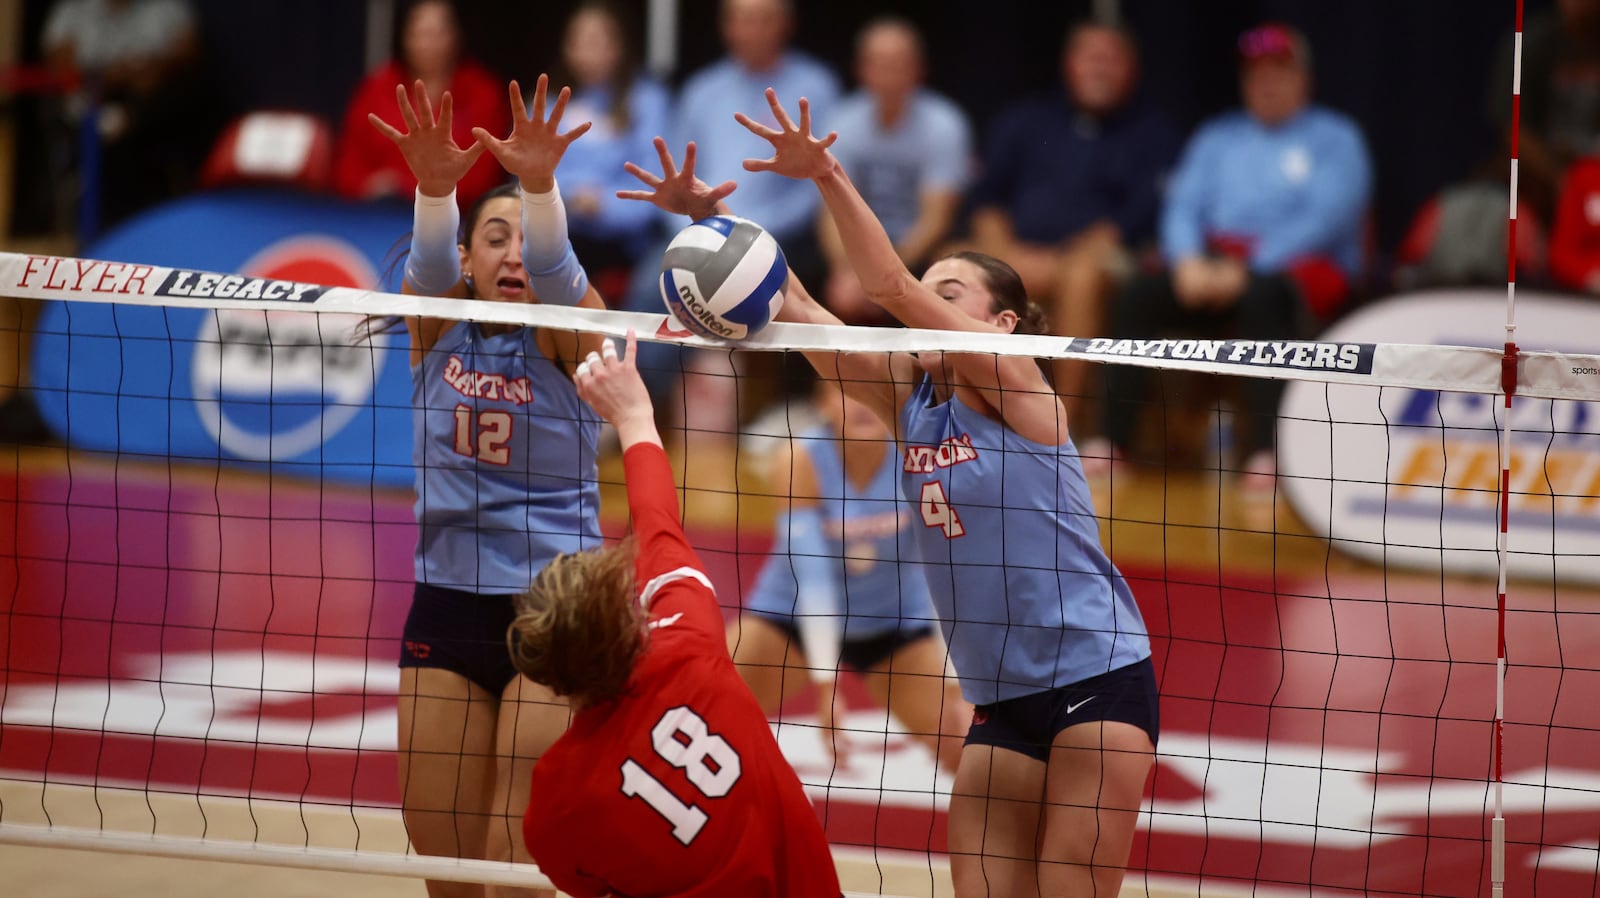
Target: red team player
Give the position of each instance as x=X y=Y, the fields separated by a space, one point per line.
x=669 y=781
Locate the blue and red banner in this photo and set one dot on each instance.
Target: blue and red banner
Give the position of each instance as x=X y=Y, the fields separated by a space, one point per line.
x=302 y=392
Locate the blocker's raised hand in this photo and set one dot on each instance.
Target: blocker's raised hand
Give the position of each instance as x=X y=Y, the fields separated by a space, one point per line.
x=535 y=146
x=433 y=156
x=795 y=153
x=677 y=191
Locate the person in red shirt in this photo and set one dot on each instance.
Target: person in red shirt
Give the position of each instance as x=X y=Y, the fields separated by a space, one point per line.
x=365 y=164
x=1575 y=237
x=669 y=781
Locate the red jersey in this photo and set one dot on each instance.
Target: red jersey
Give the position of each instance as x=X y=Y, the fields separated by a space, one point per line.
x=677 y=787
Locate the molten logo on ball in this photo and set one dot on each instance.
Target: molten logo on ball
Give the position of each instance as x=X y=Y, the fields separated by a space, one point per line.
x=722 y=277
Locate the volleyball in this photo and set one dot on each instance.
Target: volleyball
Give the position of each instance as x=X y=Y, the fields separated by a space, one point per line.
x=722 y=277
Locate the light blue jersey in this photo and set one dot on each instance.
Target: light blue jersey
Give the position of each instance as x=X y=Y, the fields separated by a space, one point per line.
x=866 y=534
x=1027 y=598
x=505 y=457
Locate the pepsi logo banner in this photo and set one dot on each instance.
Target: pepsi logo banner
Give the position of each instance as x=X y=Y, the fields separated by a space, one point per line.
x=303 y=391
x=1411 y=476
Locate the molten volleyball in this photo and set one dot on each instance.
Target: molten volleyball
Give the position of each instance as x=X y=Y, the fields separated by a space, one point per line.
x=722 y=277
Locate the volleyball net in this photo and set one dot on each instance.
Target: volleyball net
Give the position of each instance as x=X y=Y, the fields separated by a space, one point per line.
x=202 y=588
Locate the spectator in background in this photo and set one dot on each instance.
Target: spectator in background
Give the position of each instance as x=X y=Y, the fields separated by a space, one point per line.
x=600 y=62
x=137 y=66
x=1575 y=236
x=756 y=34
x=1072 y=186
x=1560 y=96
x=909 y=153
x=365 y=164
x=1262 y=234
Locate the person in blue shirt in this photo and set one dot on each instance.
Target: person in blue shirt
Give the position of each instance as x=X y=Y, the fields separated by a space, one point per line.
x=1072 y=188
x=910 y=150
x=600 y=61
x=1262 y=235
x=506 y=474
x=1043 y=631
x=840 y=588
x=756 y=34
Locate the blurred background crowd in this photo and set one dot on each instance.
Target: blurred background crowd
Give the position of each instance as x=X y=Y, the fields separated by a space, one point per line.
x=1249 y=168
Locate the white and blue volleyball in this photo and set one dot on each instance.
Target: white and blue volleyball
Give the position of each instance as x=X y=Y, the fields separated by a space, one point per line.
x=722 y=277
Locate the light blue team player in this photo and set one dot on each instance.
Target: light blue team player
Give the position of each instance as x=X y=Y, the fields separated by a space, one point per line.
x=1047 y=640
x=837 y=590
x=506 y=477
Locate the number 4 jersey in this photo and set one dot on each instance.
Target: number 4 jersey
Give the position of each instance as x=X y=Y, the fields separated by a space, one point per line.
x=1011 y=551
x=677 y=787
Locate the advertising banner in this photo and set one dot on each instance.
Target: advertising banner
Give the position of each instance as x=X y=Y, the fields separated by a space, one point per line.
x=297 y=390
x=1411 y=476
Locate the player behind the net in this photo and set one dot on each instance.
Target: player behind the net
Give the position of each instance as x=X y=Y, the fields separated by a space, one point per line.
x=669 y=781
x=835 y=594
x=506 y=475
x=1046 y=639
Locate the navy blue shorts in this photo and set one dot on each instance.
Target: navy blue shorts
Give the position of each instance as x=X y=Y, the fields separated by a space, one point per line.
x=462 y=632
x=860 y=655
x=1031 y=723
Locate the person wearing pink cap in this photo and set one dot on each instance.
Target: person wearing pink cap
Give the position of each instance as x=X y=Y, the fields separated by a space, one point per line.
x=1262 y=234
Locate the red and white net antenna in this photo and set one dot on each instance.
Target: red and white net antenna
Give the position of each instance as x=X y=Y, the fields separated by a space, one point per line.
x=1508 y=386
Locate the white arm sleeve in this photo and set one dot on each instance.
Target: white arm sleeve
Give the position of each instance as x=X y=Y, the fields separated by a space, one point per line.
x=553 y=268
x=434 y=263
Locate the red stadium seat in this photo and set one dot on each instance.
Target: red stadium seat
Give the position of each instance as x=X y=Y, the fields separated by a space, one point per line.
x=1423 y=234
x=271 y=147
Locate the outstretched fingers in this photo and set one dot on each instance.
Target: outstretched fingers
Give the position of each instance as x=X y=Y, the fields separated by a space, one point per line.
x=446 y=112
x=690 y=154
x=407 y=114
x=805 y=125
x=649 y=178
x=575 y=133
x=668 y=168
x=519 y=108
x=424 y=105
x=487 y=141
x=384 y=128
x=560 y=106
x=759 y=165
x=778 y=111
x=756 y=128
